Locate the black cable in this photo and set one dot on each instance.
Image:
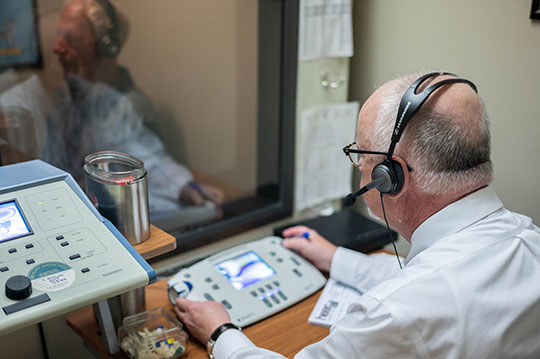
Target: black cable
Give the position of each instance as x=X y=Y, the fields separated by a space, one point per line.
x=43 y=341
x=390 y=232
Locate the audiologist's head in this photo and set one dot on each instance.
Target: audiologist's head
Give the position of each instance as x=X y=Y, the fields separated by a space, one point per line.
x=90 y=35
x=443 y=154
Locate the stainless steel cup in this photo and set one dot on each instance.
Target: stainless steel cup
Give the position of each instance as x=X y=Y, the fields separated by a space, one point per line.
x=116 y=183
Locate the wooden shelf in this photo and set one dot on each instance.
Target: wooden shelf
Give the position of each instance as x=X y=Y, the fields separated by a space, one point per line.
x=160 y=242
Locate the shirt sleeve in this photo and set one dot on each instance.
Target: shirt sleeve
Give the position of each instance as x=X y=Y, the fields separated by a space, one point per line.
x=235 y=344
x=369 y=330
x=362 y=271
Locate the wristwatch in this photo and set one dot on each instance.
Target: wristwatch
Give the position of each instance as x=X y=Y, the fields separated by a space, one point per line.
x=212 y=340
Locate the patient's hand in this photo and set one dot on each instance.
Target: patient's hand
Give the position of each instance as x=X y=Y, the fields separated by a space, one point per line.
x=201 y=318
x=197 y=197
x=315 y=249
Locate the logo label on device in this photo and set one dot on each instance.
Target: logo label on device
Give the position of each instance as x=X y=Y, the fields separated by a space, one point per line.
x=52 y=276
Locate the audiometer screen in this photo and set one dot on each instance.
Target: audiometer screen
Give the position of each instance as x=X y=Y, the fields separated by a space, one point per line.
x=245 y=270
x=12 y=223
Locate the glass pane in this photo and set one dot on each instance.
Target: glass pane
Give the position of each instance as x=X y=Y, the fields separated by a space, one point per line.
x=174 y=83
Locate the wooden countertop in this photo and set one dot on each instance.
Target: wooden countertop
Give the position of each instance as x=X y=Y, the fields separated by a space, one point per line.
x=286 y=332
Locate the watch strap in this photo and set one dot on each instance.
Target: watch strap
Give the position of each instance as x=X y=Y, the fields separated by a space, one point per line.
x=212 y=340
x=215 y=335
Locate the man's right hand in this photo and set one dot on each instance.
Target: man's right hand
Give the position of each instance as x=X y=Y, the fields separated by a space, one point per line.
x=315 y=249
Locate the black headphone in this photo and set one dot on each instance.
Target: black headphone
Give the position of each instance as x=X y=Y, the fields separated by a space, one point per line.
x=109 y=45
x=387 y=176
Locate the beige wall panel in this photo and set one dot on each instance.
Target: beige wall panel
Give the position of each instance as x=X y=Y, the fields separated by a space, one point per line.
x=491 y=42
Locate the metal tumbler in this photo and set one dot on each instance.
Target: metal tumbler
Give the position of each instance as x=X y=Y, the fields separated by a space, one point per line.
x=117 y=185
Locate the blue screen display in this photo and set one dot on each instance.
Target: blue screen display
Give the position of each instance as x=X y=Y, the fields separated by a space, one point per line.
x=12 y=223
x=245 y=270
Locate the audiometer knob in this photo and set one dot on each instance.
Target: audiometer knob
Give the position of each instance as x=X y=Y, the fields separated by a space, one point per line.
x=18 y=287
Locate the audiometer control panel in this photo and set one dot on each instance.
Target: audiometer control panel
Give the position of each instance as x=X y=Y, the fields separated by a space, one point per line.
x=56 y=252
x=252 y=281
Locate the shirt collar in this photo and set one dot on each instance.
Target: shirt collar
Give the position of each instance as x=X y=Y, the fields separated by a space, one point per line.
x=453 y=218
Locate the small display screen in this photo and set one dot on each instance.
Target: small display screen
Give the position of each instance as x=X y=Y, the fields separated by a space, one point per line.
x=245 y=270
x=12 y=223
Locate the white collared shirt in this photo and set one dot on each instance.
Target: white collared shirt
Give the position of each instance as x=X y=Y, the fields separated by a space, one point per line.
x=470 y=289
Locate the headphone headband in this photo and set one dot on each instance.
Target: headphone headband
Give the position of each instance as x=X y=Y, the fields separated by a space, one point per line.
x=108 y=44
x=412 y=101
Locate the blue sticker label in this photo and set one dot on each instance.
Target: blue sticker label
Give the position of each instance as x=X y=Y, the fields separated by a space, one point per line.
x=52 y=276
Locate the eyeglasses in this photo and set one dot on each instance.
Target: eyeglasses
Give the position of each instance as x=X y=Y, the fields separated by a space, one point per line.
x=356 y=155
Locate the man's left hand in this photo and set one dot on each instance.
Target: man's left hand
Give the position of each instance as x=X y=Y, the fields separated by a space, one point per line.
x=201 y=318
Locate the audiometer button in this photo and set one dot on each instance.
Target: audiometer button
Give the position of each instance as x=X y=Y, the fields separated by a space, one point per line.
x=4 y=269
x=208 y=296
x=297 y=272
x=30 y=261
x=253 y=293
x=279 y=260
x=29 y=245
x=276 y=283
x=273 y=254
x=18 y=287
x=261 y=290
x=295 y=261
x=267 y=302
x=75 y=256
x=283 y=296
x=208 y=279
x=59 y=237
x=85 y=270
x=226 y=304
x=269 y=286
x=215 y=287
x=63 y=244
x=273 y=297
x=12 y=250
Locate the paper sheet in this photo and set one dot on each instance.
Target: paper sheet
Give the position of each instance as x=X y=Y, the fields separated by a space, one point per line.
x=333 y=303
x=323 y=172
x=325 y=29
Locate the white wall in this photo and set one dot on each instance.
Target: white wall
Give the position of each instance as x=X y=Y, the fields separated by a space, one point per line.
x=491 y=42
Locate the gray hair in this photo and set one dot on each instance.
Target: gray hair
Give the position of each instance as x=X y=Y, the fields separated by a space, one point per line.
x=100 y=20
x=447 y=157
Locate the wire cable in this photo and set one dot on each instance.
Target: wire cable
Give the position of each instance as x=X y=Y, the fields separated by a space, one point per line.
x=390 y=232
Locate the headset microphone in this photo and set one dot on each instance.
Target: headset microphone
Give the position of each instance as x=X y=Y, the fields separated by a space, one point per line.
x=351 y=197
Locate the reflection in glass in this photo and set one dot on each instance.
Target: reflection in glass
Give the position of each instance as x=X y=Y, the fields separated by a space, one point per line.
x=199 y=102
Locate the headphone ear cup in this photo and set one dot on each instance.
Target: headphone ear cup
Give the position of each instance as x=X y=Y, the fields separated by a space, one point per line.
x=399 y=177
x=108 y=46
x=382 y=170
x=392 y=172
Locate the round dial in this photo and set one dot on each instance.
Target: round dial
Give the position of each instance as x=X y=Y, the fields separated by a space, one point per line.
x=18 y=287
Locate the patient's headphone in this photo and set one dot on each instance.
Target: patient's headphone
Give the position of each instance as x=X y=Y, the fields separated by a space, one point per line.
x=387 y=176
x=108 y=44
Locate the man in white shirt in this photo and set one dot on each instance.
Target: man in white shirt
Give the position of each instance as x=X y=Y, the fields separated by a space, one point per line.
x=469 y=286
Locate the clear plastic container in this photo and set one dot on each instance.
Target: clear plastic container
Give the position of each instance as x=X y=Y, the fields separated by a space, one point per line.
x=152 y=334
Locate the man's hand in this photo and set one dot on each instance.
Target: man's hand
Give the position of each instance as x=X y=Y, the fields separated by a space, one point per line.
x=315 y=249
x=196 y=197
x=201 y=318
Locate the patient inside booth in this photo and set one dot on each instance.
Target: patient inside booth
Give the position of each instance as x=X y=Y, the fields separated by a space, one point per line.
x=94 y=104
